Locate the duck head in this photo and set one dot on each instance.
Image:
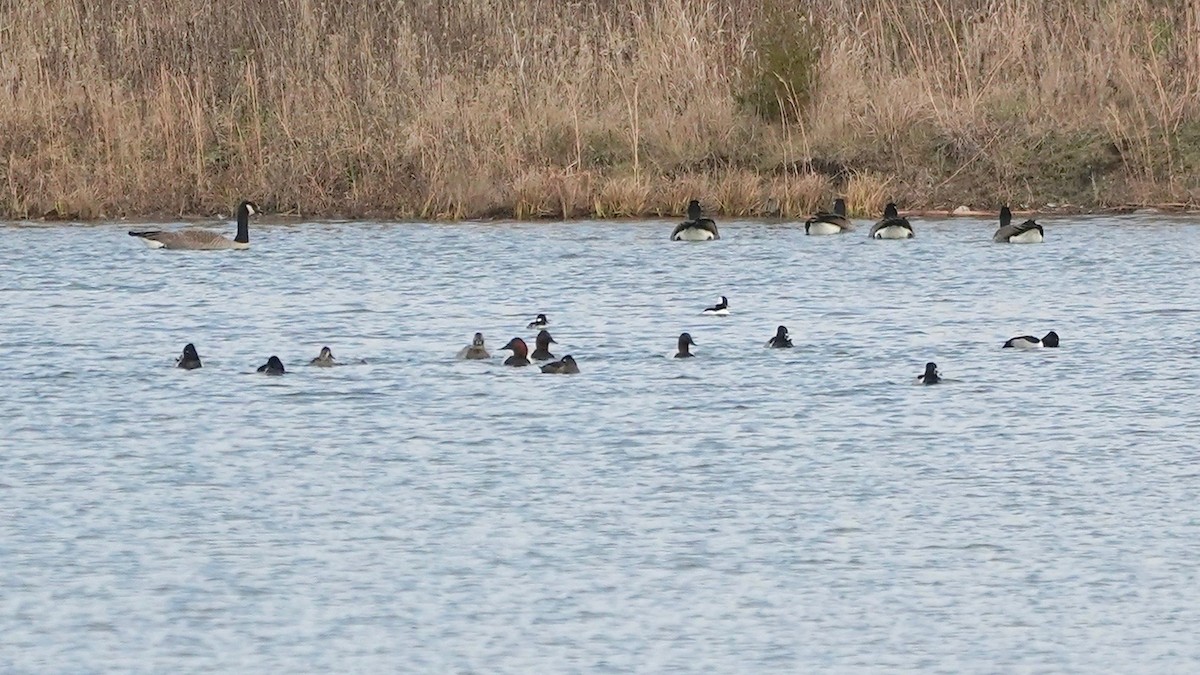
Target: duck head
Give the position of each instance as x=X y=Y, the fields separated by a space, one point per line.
x=518 y=347
x=543 y=340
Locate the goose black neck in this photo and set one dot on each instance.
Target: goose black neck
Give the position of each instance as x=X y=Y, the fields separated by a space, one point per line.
x=243 y=231
x=1005 y=217
x=839 y=207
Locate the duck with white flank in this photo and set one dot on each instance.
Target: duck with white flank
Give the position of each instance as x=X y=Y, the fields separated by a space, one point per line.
x=202 y=240
x=930 y=376
x=1028 y=232
x=189 y=360
x=695 y=228
x=830 y=223
x=781 y=340
x=892 y=225
x=273 y=366
x=565 y=367
x=520 y=352
x=475 y=351
x=1030 y=342
x=539 y=322
x=719 y=309
x=324 y=359
x=685 y=341
x=541 y=347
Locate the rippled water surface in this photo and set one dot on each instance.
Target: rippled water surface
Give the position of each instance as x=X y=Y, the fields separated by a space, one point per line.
x=750 y=510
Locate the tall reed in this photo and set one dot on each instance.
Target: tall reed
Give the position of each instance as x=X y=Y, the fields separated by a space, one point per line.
x=544 y=108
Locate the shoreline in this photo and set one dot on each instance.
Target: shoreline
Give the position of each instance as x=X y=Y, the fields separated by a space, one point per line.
x=1168 y=209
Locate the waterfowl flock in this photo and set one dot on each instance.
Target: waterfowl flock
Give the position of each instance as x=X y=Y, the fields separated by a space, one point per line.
x=696 y=228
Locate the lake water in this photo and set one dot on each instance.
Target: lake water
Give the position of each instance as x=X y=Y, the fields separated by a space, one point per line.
x=749 y=510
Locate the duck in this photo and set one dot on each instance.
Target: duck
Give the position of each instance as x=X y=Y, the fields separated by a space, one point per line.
x=695 y=228
x=892 y=225
x=273 y=366
x=540 y=321
x=781 y=340
x=1028 y=232
x=1030 y=342
x=830 y=223
x=520 y=352
x=202 y=240
x=566 y=366
x=475 y=351
x=324 y=359
x=189 y=360
x=685 y=341
x=541 y=348
x=719 y=309
x=930 y=375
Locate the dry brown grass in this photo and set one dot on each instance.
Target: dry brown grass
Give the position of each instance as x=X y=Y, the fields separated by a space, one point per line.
x=480 y=108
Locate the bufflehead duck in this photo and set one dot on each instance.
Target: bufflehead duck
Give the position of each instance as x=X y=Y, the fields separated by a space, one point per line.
x=1028 y=232
x=781 y=340
x=324 y=359
x=520 y=352
x=475 y=351
x=931 y=375
x=541 y=348
x=540 y=322
x=685 y=340
x=892 y=225
x=1030 y=342
x=189 y=360
x=565 y=367
x=830 y=223
x=273 y=366
x=719 y=309
x=202 y=240
x=695 y=228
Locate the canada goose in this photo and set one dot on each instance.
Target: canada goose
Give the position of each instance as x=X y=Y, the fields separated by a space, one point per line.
x=541 y=347
x=273 y=366
x=189 y=360
x=695 y=228
x=781 y=340
x=324 y=359
x=719 y=309
x=1028 y=232
x=565 y=367
x=930 y=375
x=540 y=321
x=685 y=341
x=1030 y=342
x=202 y=240
x=520 y=352
x=830 y=223
x=892 y=225
x=475 y=351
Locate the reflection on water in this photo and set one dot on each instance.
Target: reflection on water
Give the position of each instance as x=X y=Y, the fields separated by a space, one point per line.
x=749 y=510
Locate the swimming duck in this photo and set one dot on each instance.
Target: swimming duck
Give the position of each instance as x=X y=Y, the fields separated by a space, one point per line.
x=273 y=366
x=892 y=225
x=695 y=228
x=202 y=240
x=565 y=367
x=1030 y=342
x=931 y=375
x=189 y=360
x=540 y=322
x=1028 y=232
x=719 y=309
x=830 y=223
x=781 y=340
x=520 y=352
x=685 y=340
x=475 y=351
x=324 y=359
x=541 y=350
